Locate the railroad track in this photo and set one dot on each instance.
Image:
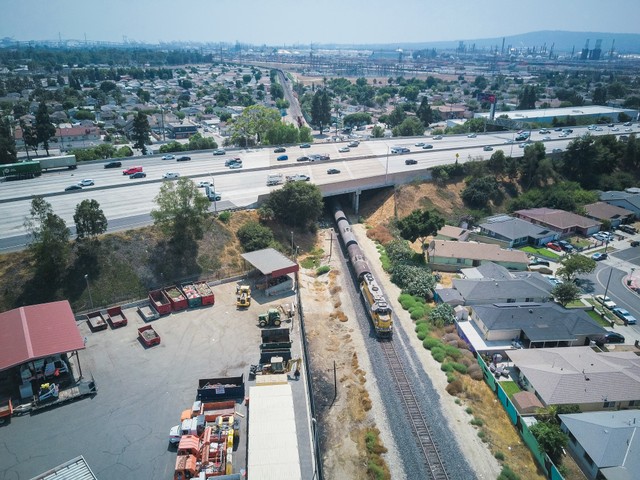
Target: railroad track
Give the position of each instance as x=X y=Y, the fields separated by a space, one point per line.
x=416 y=418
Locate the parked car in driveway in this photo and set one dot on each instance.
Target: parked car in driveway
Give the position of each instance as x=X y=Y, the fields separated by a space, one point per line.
x=625 y=316
x=566 y=246
x=609 y=337
x=554 y=246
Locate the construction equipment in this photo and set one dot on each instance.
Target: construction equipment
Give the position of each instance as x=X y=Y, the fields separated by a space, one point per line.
x=271 y=318
x=48 y=391
x=277 y=366
x=243 y=296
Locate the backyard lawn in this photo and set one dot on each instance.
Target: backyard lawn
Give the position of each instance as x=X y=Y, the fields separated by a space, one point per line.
x=543 y=252
x=510 y=388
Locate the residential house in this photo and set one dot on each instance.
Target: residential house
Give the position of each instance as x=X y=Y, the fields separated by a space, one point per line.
x=449 y=232
x=515 y=232
x=452 y=256
x=566 y=223
x=533 y=288
x=626 y=200
x=68 y=137
x=579 y=376
x=605 y=445
x=182 y=130
x=615 y=215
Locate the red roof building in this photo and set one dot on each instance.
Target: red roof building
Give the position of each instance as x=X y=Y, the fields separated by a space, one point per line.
x=37 y=331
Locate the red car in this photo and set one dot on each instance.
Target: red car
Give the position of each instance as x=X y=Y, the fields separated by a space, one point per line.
x=554 y=246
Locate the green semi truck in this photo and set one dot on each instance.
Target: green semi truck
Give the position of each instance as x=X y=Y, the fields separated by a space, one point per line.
x=20 y=171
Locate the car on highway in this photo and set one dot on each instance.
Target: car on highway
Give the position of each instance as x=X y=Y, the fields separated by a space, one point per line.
x=544 y=131
x=438 y=137
x=183 y=159
x=627 y=124
x=606 y=301
x=419 y=144
x=72 y=188
x=168 y=157
x=282 y=157
x=233 y=166
x=599 y=256
x=86 y=182
x=204 y=184
x=302 y=159
x=219 y=151
x=487 y=148
x=305 y=145
x=427 y=146
x=624 y=315
x=344 y=150
x=113 y=165
x=472 y=135
x=353 y=144
x=230 y=161
x=546 y=138
x=556 y=150
x=410 y=161
x=280 y=150
x=138 y=175
x=400 y=150
x=171 y=175
x=333 y=171
x=563 y=134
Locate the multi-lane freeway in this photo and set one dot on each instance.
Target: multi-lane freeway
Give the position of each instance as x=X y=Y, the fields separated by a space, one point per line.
x=127 y=202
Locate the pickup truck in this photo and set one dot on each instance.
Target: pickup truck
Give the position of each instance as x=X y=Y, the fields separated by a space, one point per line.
x=275 y=179
x=298 y=178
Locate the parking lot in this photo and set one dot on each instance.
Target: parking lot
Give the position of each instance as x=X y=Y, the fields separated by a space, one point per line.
x=123 y=430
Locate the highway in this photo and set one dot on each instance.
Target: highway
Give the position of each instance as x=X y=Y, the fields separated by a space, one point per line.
x=127 y=202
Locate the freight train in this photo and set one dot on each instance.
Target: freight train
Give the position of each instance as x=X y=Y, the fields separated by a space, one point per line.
x=377 y=307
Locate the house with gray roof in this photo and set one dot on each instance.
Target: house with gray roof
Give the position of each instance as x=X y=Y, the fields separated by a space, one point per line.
x=605 y=445
x=613 y=214
x=491 y=283
x=535 y=325
x=567 y=223
x=582 y=376
x=626 y=200
x=515 y=232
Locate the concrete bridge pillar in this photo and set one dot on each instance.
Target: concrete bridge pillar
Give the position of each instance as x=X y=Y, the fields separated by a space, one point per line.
x=355 y=201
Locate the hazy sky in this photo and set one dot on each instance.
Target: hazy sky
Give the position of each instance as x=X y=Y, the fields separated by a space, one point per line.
x=278 y=22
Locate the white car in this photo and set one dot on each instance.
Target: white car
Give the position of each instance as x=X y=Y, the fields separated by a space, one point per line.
x=86 y=182
x=170 y=175
x=205 y=184
x=606 y=301
x=472 y=135
x=344 y=149
x=168 y=157
x=235 y=165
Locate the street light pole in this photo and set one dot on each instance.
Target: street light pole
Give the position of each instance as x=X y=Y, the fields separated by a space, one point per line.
x=386 y=171
x=213 y=187
x=86 y=279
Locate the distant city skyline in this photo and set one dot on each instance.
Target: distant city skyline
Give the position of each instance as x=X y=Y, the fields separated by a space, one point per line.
x=290 y=22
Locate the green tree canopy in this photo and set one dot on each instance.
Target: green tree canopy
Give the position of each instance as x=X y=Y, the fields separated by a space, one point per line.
x=45 y=130
x=356 y=119
x=255 y=120
x=575 y=264
x=254 y=236
x=551 y=438
x=181 y=211
x=396 y=117
x=50 y=240
x=321 y=109
x=414 y=280
x=424 y=112
x=8 y=152
x=297 y=203
x=140 y=132
x=441 y=315
x=419 y=224
x=565 y=293
x=377 y=132
x=410 y=127
x=89 y=219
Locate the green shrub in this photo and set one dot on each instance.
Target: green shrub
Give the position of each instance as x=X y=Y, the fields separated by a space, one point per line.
x=446 y=367
x=422 y=330
x=225 y=216
x=507 y=474
x=452 y=352
x=459 y=367
x=451 y=377
x=322 y=270
x=438 y=354
x=477 y=422
x=417 y=313
x=458 y=401
x=431 y=342
x=469 y=410
x=499 y=456
x=482 y=435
